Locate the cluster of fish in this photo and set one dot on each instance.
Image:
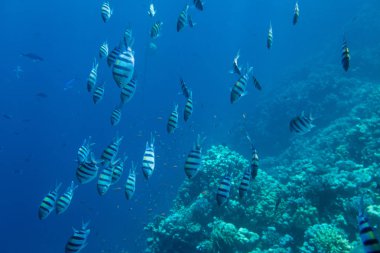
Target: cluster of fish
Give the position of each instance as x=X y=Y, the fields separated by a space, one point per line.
x=184 y=18
x=172 y=123
x=239 y=89
x=250 y=173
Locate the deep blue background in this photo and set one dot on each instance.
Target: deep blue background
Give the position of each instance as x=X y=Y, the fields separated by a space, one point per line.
x=38 y=144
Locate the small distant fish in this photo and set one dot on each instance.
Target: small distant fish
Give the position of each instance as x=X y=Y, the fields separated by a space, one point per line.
x=84 y=150
x=193 y=161
x=224 y=189
x=110 y=152
x=41 y=95
x=87 y=170
x=296 y=14
x=64 y=201
x=148 y=162
x=92 y=77
x=270 y=36
x=130 y=185
x=156 y=30
x=301 y=124
x=255 y=162
x=48 y=203
x=151 y=11
x=116 y=116
x=113 y=55
x=106 y=11
x=127 y=91
x=184 y=88
x=235 y=66
x=118 y=170
x=370 y=241
x=18 y=70
x=78 y=241
x=183 y=20
x=345 y=56
x=33 y=57
x=244 y=183
x=188 y=107
x=240 y=87
x=256 y=83
x=172 y=121
x=198 y=4
x=105 y=179
x=103 y=50
x=98 y=94
x=124 y=67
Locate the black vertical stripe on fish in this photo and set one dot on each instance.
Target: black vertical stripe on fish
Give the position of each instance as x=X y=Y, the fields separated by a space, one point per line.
x=188 y=107
x=345 y=56
x=367 y=234
x=301 y=124
x=111 y=58
x=254 y=164
x=296 y=14
x=173 y=120
x=224 y=189
x=127 y=91
x=110 y=152
x=64 y=201
x=240 y=87
x=106 y=11
x=123 y=68
x=118 y=170
x=148 y=162
x=103 y=50
x=98 y=94
x=244 y=183
x=48 y=203
x=84 y=150
x=105 y=179
x=87 y=170
x=155 y=30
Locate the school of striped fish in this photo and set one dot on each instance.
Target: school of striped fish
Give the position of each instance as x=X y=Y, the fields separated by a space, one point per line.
x=109 y=168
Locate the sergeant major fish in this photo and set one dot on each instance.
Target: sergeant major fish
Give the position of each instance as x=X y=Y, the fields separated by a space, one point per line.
x=156 y=30
x=193 y=161
x=98 y=94
x=130 y=185
x=256 y=83
x=183 y=19
x=151 y=11
x=240 y=87
x=48 y=203
x=110 y=152
x=118 y=170
x=64 y=201
x=301 y=124
x=244 y=183
x=105 y=178
x=255 y=162
x=184 y=88
x=116 y=115
x=296 y=14
x=78 y=240
x=148 y=162
x=127 y=91
x=87 y=170
x=103 y=50
x=224 y=189
x=123 y=68
x=270 y=36
x=345 y=56
x=84 y=150
x=91 y=80
x=188 y=107
x=367 y=234
x=106 y=11
x=172 y=121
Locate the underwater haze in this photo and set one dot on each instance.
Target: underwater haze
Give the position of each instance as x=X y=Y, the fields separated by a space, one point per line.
x=303 y=138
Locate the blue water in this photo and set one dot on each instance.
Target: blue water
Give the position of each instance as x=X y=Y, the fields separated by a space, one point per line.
x=39 y=137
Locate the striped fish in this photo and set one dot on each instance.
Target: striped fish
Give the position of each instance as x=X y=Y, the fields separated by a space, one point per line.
x=98 y=94
x=130 y=185
x=118 y=170
x=78 y=240
x=301 y=124
x=345 y=56
x=256 y=83
x=367 y=234
x=184 y=88
x=87 y=170
x=124 y=67
x=240 y=87
x=188 y=107
x=235 y=65
x=148 y=162
x=64 y=201
x=106 y=11
x=103 y=50
x=111 y=58
x=198 y=4
x=224 y=189
x=155 y=30
x=48 y=203
x=84 y=150
x=244 y=184
x=128 y=38
x=105 y=178
x=91 y=80
x=127 y=91
x=151 y=11
x=193 y=161
x=296 y=14
x=254 y=159
x=116 y=116
x=270 y=36
x=110 y=152
x=183 y=18
x=173 y=120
